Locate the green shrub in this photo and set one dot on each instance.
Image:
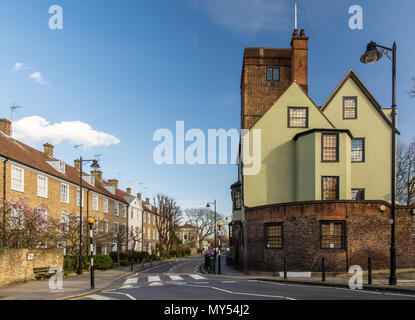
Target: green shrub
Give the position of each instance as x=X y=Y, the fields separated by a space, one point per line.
x=70 y=263
x=103 y=262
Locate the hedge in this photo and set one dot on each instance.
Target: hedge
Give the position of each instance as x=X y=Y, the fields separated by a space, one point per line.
x=101 y=262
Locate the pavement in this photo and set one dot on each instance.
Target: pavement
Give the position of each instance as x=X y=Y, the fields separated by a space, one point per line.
x=73 y=285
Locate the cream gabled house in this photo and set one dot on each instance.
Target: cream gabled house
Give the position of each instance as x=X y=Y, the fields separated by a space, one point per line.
x=325 y=170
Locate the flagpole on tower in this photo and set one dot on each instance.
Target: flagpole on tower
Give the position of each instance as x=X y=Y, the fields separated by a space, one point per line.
x=296 y=19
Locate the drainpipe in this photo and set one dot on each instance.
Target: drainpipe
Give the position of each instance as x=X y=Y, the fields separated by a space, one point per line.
x=4 y=201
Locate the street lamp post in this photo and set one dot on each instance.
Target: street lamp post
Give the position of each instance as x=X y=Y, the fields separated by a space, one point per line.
x=91 y=242
x=373 y=54
x=94 y=165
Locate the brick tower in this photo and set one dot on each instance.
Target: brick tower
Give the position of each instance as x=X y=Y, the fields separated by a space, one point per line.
x=267 y=73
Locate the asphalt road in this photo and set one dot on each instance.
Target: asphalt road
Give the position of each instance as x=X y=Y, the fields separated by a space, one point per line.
x=182 y=281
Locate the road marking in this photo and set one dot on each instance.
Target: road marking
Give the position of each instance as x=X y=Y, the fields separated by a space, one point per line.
x=99 y=297
x=197 y=277
x=229 y=281
x=202 y=282
x=125 y=294
x=155 y=284
x=127 y=286
x=175 y=278
x=131 y=280
x=153 y=278
x=244 y=293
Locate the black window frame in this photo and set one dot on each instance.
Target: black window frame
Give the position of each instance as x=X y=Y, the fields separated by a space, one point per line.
x=235 y=191
x=272 y=73
x=337 y=187
x=322 y=146
x=343 y=235
x=363 y=191
x=363 y=150
x=289 y=117
x=349 y=97
x=272 y=224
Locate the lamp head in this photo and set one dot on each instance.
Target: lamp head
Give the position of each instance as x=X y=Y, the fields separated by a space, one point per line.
x=219 y=224
x=95 y=164
x=91 y=220
x=208 y=205
x=371 y=55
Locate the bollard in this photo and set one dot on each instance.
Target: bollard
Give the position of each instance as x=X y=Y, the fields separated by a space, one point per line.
x=369 y=270
x=323 y=269
x=219 y=262
x=285 y=268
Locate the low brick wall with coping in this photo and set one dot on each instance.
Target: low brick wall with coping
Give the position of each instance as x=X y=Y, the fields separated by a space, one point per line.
x=17 y=265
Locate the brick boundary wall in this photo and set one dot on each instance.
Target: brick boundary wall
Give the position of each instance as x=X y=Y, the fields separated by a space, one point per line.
x=15 y=267
x=367 y=233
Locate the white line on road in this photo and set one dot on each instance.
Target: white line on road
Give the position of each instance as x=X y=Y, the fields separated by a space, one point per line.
x=153 y=278
x=125 y=294
x=155 y=284
x=175 y=278
x=244 y=293
x=197 y=277
x=131 y=280
x=229 y=281
x=99 y=297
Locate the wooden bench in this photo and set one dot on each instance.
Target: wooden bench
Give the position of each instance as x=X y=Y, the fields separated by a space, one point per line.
x=42 y=272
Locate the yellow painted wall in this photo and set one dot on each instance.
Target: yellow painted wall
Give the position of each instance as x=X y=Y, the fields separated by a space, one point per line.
x=305 y=151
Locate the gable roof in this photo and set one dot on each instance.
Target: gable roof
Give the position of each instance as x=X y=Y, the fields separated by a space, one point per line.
x=305 y=93
x=25 y=155
x=352 y=75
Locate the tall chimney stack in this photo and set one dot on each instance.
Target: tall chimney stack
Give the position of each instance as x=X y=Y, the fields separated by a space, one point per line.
x=5 y=126
x=113 y=182
x=129 y=190
x=48 y=149
x=139 y=196
x=97 y=174
x=299 y=59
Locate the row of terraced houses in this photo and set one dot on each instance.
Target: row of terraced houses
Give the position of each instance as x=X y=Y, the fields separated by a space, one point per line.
x=51 y=185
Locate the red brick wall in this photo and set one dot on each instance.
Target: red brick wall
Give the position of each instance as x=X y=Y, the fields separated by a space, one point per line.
x=367 y=231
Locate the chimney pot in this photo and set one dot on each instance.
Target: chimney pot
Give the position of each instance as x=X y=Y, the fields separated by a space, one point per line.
x=129 y=190
x=48 y=149
x=5 y=126
x=77 y=164
x=302 y=33
x=148 y=200
x=139 y=196
x=113 y=182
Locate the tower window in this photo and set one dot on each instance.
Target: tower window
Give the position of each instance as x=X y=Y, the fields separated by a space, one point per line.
x=349 y=107
x=273 y=74
x=297 y=117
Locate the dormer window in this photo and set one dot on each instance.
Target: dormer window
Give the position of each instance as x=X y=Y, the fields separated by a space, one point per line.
x=110 y=189
x=273 y=74
x=58 y=165
x=90 y=180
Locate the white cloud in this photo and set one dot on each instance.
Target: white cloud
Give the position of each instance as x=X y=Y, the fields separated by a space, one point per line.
x=36 y=129
x=251 y=15
x=38 y=77
x=19 y=66
x=35 y=76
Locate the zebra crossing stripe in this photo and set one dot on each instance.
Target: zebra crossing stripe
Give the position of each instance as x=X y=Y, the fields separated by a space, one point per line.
x=154 y=284
x=131 y=280
x=197 y=277
x=153 y=278
x=176 y=278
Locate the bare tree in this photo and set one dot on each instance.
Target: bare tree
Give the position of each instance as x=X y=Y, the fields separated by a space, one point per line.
x=412 y=91
x=168 y=221
x=135 y=236
x=203 y=221
x=23 y=226
x=405 y=173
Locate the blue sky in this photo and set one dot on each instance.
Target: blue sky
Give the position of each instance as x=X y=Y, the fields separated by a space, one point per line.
x=128 y=68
